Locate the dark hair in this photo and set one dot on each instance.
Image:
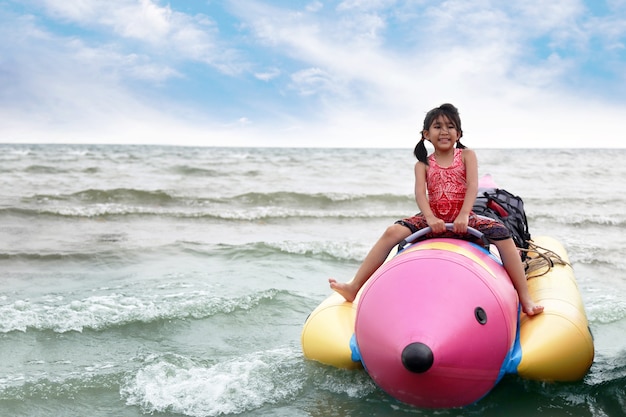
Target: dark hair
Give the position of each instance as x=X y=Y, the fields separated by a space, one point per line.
x=451 y=113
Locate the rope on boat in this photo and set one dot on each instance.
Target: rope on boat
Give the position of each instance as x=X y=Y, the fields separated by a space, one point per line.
x=540 y=258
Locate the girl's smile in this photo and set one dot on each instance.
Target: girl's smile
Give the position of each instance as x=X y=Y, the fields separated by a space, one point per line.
x=442 y=133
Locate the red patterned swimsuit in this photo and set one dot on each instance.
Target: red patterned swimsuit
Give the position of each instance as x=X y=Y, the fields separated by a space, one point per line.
x=446 y=193
x=446 y=187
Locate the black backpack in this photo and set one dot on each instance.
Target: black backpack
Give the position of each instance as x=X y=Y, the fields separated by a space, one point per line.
x=500 y=204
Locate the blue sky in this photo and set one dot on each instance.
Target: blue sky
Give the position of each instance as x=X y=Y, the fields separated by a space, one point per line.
x=354 y=73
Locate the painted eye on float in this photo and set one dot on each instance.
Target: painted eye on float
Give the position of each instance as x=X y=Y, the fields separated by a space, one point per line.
x=481 y=315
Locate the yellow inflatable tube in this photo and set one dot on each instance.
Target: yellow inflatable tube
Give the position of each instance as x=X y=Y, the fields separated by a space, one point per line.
x=557 y=344
x=327 y=332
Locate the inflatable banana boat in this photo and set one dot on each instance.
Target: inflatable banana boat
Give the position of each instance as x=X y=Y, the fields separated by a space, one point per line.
x=438 y=324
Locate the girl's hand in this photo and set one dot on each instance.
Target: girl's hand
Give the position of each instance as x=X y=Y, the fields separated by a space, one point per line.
x=436 y=224
x=460 y=223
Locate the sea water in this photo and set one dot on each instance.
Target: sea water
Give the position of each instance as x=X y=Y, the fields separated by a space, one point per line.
x=170 y=281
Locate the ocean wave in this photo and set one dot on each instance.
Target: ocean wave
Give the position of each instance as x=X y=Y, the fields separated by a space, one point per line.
x=96 y=196
x=44 y=257
x=598 y=395
x=43 y=169
x=175 y=384
x=194 y=171
x=322 y=250
x=602 y=258
x=97 y=257
x=23 y=388
x=116 y=309
x=219 y=214
x=605 y=309
x=598 y=249
x=609 y=399
x=253 y=199
x=608 y=369
x=282 y=198
x=251 y=206
x=604 y=388
x=277 y=205
x=580 y=220
x=55 y=170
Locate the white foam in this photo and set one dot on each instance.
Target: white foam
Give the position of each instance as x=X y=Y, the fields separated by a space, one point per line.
x=347 y=250
x=231 y=387
x=103 y=311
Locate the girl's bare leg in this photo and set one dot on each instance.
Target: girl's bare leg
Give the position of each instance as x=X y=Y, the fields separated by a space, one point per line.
x=374 y=259
x=513 y=265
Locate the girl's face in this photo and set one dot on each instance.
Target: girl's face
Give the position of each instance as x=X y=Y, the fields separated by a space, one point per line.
x=442 y=133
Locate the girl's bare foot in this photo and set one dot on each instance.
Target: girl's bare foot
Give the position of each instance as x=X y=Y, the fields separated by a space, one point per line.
x=344 y=289
x=531 y=309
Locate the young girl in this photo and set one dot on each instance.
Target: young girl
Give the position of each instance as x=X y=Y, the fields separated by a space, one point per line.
x=450 y=176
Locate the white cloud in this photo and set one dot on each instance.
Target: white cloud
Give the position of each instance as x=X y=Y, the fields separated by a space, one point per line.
x=64 y=87
x=361 y=84
x=311 y=81
x=179 y=35
x=364 y=5
x=142 y=20
x=314 y=6
x=79 y=10
x=483 y=72
x=142 y=68
x=268 y=75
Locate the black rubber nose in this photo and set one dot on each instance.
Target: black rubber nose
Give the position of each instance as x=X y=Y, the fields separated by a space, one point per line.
x=417 y=357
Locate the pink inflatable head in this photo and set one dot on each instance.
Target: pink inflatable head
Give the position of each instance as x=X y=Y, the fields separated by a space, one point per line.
x=435 y=323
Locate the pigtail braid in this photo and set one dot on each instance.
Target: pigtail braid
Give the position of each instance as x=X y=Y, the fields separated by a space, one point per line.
x=420 y=151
